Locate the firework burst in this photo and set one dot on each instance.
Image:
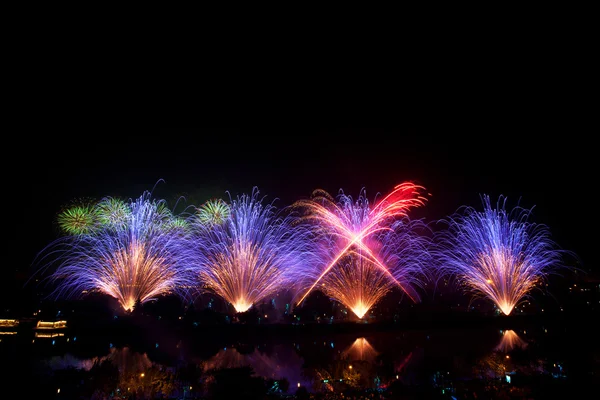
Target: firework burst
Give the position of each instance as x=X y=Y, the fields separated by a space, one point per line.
x=245 y=259
x=497 y=254
x=362 y=251
x=112 y=212
x=180 y=224
x=135 y=264
x=213 y=212
x=80 y=219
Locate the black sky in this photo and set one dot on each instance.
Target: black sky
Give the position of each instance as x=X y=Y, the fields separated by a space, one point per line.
x=542 y=156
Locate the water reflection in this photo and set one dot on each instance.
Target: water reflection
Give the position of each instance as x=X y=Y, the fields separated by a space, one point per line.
x=500 y=365
x=356 y=366
x=122 y=373
x=124 y=360
x=446 y=361
x=361 y=350
x=277 y=362
x=510 y=340
x=318 y=369
x=68 y=361
x=127 y=361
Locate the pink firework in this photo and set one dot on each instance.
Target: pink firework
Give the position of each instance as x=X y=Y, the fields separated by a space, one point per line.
x=357 y=258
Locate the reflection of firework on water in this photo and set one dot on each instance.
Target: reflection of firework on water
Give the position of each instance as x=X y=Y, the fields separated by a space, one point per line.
x=113 y=212
x=68 y=360
x=363 y=251
x=282 y=361
x=227 y=358
x=510 y=340
x=497 y=254
x=245 y=258
x=137 y=263
x=127 y=361
x=78 y=219
x=401 y=365
x=213 y=212
x=261 y=363
x=360 y=350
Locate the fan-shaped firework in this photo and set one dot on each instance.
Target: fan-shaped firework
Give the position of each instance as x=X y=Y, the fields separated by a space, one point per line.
x=356 y=282
x=497 y=254
x=112 y=213
x=245 y=258
x=213 y=212
x=80 y=219
x=363 y=251
x=136 y=263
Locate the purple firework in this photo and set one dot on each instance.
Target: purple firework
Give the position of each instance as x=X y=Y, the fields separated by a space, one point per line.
x=135 y=262
x=497 y=254
x=361 y=251
x=247 y=257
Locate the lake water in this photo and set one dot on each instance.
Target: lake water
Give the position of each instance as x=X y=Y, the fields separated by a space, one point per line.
x=530 y=361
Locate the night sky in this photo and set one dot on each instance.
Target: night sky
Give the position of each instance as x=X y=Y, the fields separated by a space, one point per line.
x=545 y=164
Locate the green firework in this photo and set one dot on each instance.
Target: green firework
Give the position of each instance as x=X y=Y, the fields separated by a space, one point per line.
x=213 y=212
x=78 y=220
x=178 y=224
x=112 y=213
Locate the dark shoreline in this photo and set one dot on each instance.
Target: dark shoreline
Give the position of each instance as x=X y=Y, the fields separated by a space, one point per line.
x=150 y=326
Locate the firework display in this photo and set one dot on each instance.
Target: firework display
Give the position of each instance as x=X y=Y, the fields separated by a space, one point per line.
x=497 y=254
x=178 y=224
x=213 y=212
x=112 y=212
x=247 y=257
x=246 y=250
x=78 y=219
x=134 y=264
x=363 y=251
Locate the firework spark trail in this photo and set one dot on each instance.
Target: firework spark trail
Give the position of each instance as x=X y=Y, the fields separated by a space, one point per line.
x=344 y=228
x=245 y=259
x=497 y=254
x=139 y=262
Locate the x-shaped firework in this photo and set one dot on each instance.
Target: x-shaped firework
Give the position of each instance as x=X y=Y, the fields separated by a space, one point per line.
x=355 y=222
